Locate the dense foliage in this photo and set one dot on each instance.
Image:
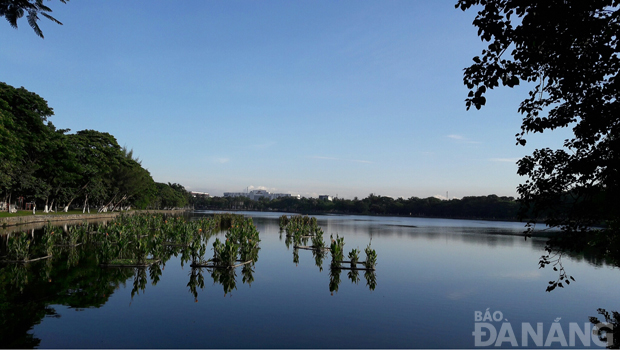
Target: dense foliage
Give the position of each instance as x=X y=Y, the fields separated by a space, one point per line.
x=50 y=166
x=482 y=207
x=567 y=53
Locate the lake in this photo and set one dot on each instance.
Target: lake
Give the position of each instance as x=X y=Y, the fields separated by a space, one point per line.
x=435 y=280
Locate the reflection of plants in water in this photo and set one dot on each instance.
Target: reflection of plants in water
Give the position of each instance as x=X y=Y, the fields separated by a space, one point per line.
x=555 y=259
x=354 y=276
x=318 y=255
x=288 y=241
x=609 y=331
x=27 y=291
x=154 y=273
x=334 y=280
x=196 y=280
x=17 y=275
x=139 y=281
x=46 y=271
x=72 y=257
x=248 y=274
x=371 y=279
x=225 y=277
x=296 y=256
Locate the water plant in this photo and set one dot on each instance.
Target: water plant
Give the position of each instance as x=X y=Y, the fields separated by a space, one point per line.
x=317 y=239
x=284 y=219
x=337 y=250
x=354 y=257
x=18 y=247
x=225 y=253
x=371 y=257
x=298 y=224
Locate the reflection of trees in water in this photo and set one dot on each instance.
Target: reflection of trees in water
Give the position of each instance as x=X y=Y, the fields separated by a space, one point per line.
x=591 y=248
x=227 y=277
x=319 y=256
x=26 y=291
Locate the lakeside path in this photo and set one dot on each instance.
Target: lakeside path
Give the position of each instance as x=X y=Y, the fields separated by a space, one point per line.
x=43 y=218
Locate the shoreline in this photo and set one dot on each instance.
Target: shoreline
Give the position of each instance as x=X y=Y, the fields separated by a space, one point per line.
x=39 y=218
x=311 y=213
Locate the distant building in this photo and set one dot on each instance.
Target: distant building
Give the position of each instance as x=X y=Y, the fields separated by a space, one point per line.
x=258 y=194
x=198 y=194
x=325 y=197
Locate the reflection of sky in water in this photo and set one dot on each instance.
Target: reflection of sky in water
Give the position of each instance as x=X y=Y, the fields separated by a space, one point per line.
x=431 y=278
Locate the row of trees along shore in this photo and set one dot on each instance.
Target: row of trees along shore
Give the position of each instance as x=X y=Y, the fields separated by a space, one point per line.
x=481 y=207
x=52 y=168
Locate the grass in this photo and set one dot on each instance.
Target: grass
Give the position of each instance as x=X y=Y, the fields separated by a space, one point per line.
x=4 y=214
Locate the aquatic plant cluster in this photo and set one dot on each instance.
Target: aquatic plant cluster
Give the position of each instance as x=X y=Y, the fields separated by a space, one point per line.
x=299 y=229
x=369 y=264
x=241 y=242
x=240 y=248
x=138 y=243
x=128 y=239
x=299 y=225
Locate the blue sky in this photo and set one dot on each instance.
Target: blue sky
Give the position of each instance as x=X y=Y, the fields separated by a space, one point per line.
x=303 y=97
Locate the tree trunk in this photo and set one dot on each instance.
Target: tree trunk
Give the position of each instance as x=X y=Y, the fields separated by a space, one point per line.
x=107 y=205
x=85 y=202
x=119 y=202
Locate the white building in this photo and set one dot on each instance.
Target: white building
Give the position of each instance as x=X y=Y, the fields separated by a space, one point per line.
x=258 y=194
x=199 y=194
x=325 y=197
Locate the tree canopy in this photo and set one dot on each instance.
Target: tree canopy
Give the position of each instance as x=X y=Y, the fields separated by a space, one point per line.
x=46 y=166
x=567 y=52
x=13 y=10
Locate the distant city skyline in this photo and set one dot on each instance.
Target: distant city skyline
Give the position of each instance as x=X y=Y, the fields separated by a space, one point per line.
x=342 y=98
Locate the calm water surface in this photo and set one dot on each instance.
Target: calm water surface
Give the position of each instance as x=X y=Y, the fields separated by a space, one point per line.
x=432 y=276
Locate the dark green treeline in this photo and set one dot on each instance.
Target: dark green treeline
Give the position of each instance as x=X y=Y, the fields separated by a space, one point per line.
x=52 y=167
x=483 y=207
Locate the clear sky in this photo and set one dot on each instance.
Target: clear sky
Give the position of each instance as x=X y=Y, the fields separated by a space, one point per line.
x=303 y=97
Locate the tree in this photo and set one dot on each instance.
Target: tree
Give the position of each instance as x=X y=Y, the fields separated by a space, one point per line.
x=24 y=130
x=97 y=155
x=567 y=51
x=13 y=10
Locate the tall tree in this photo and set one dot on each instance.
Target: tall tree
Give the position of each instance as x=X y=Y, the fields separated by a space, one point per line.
x=567 y=52
x=13 y=10
x=24 y=131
